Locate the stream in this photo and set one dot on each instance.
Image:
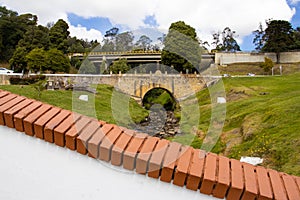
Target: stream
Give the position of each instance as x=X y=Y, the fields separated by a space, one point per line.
x=160 y=123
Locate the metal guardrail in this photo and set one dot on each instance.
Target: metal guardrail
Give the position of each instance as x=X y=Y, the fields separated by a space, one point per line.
x=116 y=53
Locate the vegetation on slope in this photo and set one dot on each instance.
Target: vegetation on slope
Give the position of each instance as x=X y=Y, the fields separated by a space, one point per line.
x=101 y=106
x=262 y=119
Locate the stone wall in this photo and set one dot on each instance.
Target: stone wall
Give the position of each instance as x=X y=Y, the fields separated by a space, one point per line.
x=137 y=85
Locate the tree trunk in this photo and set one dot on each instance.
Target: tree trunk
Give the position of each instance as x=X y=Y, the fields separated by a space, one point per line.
x=277 y=57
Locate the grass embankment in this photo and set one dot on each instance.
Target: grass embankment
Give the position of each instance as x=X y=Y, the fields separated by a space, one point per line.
x=98 y=106
x=262 y=119
x=245 y=68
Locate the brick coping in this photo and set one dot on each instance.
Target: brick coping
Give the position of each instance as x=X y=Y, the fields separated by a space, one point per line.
x=171 y=162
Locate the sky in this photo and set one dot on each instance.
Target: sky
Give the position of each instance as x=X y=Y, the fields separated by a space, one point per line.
x=89 y=19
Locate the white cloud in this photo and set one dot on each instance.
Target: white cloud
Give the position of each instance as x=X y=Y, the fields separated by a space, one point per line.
x=206 y=16
x=294 y=2
x=83 y=33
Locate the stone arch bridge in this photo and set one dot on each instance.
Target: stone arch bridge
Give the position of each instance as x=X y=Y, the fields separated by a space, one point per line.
x=180 y=86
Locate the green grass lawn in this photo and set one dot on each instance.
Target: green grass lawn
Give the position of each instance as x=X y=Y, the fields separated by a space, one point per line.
x=98 y=106
x=262 y=119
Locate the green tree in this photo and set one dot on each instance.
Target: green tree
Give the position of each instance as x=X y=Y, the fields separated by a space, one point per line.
x=225 y=41
x=108 y=45
x=35 y=37
x=229 y=43
x=12 y=29
x=258 y=40
x=36 y=60
x=57 y=61
x=296 y=37
x=267 y=65
x=119 y=66
x=18 y=62
x=87 y=67
x=124 y=41
x=58 y=35
x=144 y=43
x=181 y=48
x=278 y=37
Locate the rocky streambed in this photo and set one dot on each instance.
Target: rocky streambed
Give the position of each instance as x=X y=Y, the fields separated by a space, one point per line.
x=160 y=123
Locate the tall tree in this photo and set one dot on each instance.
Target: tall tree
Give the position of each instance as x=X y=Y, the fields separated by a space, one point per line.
x=108 y=45
x=181 y=48
x=258 y=40
x=229 y=43
x=35 y=37
x=57 y=61
x=12 y=29
x=217 y=41
x=278 y=37
x=58 y=35
x=18 y=61
x=144 y=43
x=124 y=41
x=225 y=41
x=36 y=60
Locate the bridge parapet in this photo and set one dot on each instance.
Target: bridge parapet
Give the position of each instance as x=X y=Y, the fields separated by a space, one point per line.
x=137 y=85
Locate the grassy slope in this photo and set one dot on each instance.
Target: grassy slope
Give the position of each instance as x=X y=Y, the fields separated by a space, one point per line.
x=264 y=113
x=101 y=106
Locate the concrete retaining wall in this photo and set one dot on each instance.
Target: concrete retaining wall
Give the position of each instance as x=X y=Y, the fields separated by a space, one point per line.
x=230 y=58
x=171 y=162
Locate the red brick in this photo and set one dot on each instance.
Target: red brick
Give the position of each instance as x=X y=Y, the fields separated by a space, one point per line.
x=7 y=98
x=170 y=161
x=43 y=120
x=108 y=141
x=297 y=179
x=61 y=129
x=183 y=164
x=223 y=178
x=195 y=173
x=53 y=123
x=74 y=131
x=132 y=150
x=7 y=106
x=144 y=154
x=120 y=147
x=32 y=117
x=3 y=94
x=277 y=186
x=209 y=177
x=237 y=180
x=155 y=162
x=9 y=114
x=94 y=142
x=86 y=134
x=251 y=189
x=264 y=184
x=291 y=187
x=18 y=118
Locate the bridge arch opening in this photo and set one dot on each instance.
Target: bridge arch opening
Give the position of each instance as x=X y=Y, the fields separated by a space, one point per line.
x=162 y=96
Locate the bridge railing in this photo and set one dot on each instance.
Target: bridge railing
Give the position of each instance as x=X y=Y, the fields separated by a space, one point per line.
x=139 y=52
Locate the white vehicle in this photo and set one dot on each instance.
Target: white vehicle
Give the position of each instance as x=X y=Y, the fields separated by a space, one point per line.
x=251 y=74
x=5 y=71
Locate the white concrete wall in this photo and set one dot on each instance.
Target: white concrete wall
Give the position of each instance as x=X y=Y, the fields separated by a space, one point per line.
x=240 y=57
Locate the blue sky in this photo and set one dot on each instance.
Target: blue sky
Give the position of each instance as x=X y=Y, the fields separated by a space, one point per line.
x=90 y=19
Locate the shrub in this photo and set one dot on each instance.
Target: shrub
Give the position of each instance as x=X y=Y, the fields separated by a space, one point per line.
x=267 y=65
x=26 y=80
